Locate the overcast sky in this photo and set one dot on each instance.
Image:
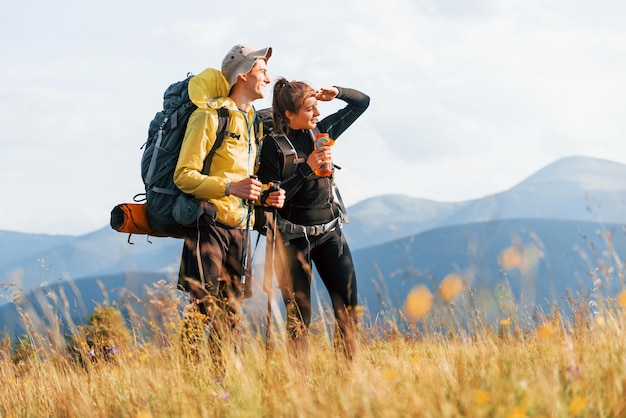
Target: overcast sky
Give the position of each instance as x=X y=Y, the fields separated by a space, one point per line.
x=468 y=98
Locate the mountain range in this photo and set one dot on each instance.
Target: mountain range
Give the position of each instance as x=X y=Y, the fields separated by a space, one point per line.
x=571 y=212
x=574 y=188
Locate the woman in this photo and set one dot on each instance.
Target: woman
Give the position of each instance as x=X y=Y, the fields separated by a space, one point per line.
x=310 y=220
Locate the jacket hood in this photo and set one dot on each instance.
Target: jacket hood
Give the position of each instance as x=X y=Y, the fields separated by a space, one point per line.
x=207 y=85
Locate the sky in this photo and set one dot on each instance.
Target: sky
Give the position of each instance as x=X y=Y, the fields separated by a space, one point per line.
x=468 y=98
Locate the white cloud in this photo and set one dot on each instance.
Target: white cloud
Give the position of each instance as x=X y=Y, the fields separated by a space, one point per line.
x=468 y=98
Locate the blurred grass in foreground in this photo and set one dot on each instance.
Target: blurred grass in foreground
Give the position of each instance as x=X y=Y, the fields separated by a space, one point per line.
x=434 y=358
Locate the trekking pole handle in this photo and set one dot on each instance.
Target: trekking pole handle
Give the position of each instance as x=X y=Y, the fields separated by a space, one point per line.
x=250 y=201
x=275 y=186
x=244 y=258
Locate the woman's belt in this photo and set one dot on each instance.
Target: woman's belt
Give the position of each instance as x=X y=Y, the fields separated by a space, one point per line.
x=308 y=230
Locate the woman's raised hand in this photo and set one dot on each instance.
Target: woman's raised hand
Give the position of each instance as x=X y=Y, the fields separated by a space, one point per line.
x=326 y=94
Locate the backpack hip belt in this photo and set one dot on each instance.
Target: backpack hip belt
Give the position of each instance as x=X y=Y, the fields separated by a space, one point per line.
x=290 y=231
x=309 y=230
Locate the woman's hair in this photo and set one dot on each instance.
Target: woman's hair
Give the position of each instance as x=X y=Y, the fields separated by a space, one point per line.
x=288 y=96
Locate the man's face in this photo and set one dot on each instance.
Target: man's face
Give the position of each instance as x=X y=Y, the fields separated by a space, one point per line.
x=257 y=79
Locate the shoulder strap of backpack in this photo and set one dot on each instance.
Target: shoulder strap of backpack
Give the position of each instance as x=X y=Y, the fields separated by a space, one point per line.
x=288 y=152
x=222 y=116
x=263 y=123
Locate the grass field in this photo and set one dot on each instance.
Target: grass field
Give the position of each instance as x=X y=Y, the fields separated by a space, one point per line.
x=437 y=357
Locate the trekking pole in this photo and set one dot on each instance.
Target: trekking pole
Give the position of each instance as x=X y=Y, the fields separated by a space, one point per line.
x=246 y=247
x=270 y=252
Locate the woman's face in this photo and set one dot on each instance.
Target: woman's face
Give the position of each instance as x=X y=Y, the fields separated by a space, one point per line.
x=306 y=118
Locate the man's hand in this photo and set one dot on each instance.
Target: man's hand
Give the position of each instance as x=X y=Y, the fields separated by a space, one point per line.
x=248 y=189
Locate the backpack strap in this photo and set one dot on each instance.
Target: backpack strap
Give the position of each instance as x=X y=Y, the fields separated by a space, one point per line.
x=263 y=123
x=288 y=151
x=222 y=123
x=223 y=115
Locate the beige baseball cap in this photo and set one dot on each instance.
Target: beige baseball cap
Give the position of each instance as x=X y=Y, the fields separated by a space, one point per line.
x=240 y=60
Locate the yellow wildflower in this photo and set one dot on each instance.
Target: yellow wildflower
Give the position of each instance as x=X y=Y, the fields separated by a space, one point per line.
x=545 y=331
x=450 y=287
x=418 y=302
x=577 y=404
x=518 y=412
x=511 y=258
x=389 y=374
x=481 y=397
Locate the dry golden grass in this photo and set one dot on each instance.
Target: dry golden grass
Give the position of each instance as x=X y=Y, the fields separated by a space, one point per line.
x=421 y=366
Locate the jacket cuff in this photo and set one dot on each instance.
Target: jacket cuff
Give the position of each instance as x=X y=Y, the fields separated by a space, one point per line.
x=227 y=191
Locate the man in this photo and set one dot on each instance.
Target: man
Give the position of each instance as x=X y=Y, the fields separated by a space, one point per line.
x=213 y=256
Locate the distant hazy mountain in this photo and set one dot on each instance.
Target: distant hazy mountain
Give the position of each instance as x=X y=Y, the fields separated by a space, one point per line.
x=559 y=255
x=380 y=219
x=575 y=188
x=102 y=252
x=572 y=194
x=72 y=301
x=17 y=245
